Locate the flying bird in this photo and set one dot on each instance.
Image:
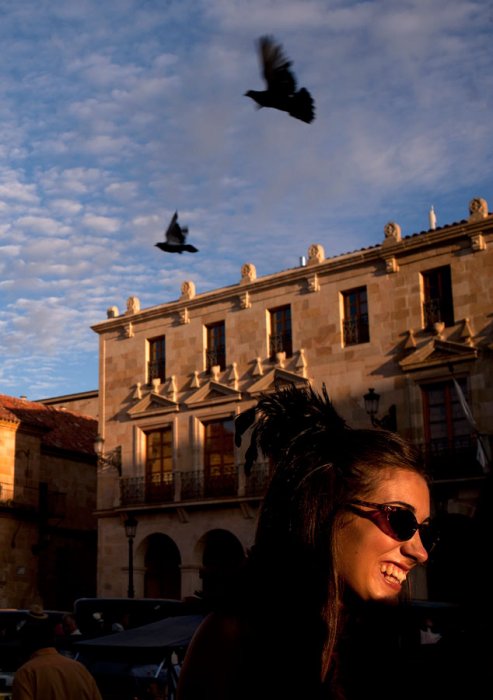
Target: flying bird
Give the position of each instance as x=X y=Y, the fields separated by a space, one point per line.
x=281 y=90
x=175 y=238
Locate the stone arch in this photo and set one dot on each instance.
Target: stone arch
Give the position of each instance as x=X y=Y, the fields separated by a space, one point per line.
x=162 y=562
x=221 y=554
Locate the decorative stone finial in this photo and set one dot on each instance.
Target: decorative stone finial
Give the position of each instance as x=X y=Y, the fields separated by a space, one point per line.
x=248 y=273
x=432 y=218
x=258 y=370
x=133 y=305
x=187 y=290
x=112 y=312
x=316 y=254
x=392 y=232
x=478 y=209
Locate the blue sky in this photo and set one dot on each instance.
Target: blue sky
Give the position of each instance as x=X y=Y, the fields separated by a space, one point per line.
x=113 y=114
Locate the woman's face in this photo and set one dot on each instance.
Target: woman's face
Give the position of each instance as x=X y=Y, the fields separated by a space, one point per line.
x=373 y=564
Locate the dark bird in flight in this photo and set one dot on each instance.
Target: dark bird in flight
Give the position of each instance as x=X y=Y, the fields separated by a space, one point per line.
x=281 y=90
x=175 y=238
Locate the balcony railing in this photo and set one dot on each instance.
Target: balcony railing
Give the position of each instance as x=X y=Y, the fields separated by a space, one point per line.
x=193 y=485
x=281 y=342
x=216 y=356
x=156 y=370
x=356 y=330
x=258 y=480
x=26 y=494
x=436 y=310
x=454 y=458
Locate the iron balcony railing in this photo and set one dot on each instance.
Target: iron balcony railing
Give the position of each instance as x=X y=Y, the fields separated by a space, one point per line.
x=20 y=494
x=438 y=310
x=27 y=493
x=453 y=458
x=216 y=356
x=194 y=485
x=156 y=370
x=281 y=342
x=356 y=330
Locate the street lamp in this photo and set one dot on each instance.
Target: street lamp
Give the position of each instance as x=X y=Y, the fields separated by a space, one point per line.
x=130 y=526
x=389 y=421
x=113 y=458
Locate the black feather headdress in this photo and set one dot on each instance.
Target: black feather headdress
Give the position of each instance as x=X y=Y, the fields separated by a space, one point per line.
x=291 y=419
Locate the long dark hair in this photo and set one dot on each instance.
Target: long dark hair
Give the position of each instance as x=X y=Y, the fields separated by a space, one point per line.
x=320 y=464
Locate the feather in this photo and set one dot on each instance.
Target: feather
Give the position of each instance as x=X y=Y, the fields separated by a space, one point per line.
x=289 y=420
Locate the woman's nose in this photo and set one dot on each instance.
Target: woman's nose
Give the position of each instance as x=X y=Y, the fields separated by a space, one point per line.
x=414 y=548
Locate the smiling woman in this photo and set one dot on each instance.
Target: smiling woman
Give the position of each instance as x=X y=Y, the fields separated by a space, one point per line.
x=345 y=520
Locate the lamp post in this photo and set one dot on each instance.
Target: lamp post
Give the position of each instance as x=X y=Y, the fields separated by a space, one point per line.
x=113 y=458
x=389 y=421
x=130 y=526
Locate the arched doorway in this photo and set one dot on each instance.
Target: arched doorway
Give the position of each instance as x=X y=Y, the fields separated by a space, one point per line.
x=162 y=576
x=222 y=556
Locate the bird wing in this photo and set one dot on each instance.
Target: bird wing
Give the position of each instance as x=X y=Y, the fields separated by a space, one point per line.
x=174 y=233
x=275 y=67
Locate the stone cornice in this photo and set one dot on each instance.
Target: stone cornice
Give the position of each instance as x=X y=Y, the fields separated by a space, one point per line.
x=301 y=274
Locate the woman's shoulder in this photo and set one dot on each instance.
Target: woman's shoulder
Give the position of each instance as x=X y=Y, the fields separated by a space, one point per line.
x=218 y=628
x=212 y=664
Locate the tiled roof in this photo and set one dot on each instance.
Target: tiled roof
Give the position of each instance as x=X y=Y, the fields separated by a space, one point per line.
x=58 y=428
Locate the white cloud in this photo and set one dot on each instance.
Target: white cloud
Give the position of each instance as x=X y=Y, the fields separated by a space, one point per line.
x=115 y=114
x=105 y=224
x=41 y=224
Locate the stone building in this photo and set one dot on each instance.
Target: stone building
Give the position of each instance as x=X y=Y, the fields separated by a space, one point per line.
x=85 y=402
x=408 y=320
x=48 y=531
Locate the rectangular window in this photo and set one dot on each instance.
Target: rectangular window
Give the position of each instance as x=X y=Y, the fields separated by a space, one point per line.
x=355 y=325
x=437 y=297
x=219 y=459
x=449 y=444
x=280 y=339
x=216 y=345
x=156 y=367
x=159 y=465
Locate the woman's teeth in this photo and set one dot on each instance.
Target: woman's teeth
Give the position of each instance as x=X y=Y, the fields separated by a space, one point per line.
x=392 y=571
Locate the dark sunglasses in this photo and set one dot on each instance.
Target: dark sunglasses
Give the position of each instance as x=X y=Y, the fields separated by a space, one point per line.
x=397 y=522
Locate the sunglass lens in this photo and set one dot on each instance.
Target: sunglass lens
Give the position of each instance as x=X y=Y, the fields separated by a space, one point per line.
x=429 y=536
x=403 y=523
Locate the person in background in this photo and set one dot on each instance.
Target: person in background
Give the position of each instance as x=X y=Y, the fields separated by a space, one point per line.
x=47 y=674
x=70 y=627
x=344 y=521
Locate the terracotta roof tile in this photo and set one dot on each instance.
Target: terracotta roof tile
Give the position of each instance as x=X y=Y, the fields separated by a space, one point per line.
x=59 y=428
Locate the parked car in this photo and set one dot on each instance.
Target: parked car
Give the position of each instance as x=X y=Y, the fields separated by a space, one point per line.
x=98 y=616
x=128 y=665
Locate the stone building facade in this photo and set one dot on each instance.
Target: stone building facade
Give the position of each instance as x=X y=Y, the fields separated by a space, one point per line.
x=85 y=402
x=408 y=318
x=48 y=529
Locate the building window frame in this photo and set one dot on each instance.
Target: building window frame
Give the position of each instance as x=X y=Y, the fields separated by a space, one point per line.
x=159 y=463
x=450 y=444
x=219 y=457
x=438 y=304
x=215 y=349
x=281 y=333
x=355 y=318
x=156 y=363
